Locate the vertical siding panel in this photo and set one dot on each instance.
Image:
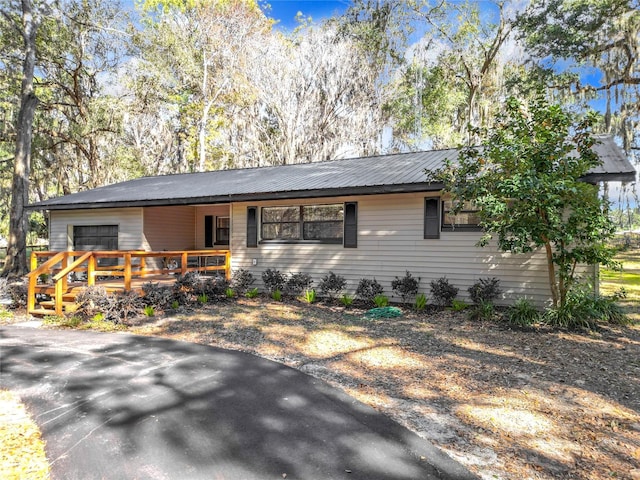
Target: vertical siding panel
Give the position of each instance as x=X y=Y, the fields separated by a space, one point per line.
x=169 y=228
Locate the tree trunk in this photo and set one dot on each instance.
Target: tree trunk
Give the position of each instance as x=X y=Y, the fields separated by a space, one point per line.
x=16 y=262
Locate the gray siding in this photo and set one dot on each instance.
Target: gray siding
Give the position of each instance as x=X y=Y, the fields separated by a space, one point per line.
x=129 y=221
x=390 y=242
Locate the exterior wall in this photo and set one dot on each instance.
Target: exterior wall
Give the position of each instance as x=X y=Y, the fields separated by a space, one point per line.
x=169 y=228
x=390 y=242
x=129 y=221
x=216 y=211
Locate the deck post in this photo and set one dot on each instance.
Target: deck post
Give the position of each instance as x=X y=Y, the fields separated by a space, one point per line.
x=227 y=265
x=58 y=295
x=184 y=262
x=34 y=261
x=65 y=263
x=91 y=269
x=127 y=271
x=31 y=294
x=143 y=266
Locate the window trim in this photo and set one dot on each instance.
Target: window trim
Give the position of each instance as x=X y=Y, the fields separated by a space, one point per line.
x=301 y=223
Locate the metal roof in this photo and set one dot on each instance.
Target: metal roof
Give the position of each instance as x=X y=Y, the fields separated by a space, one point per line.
x=396 y=173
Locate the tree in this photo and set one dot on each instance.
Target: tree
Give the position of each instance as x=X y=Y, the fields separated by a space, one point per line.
x=525 y=180
x=27 y=27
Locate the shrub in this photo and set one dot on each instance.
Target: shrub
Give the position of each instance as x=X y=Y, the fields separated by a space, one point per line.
x=406 y=287
x=482 y=311
x=189 y=282
x=443 y=292
x=346 y=300
x=276 y=295
x=310 y=296
x=229 y=293
x=214 y=286
x=18 y=292
x=156 y=295
x=298 y=283
x=203 y=298
x=273 y=280
x=241 y=280
x=149 y=311
x=380 y=301
x=522 y=313
x=175 y=304
x=253 y=293
x=95 y=299
x=420 y=303
x=368 y=289
x=485 y=290
x=331 y=285
x=127 y=303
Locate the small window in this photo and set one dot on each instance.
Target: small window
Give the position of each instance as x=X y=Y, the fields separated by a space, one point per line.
x=466 y=219
x=313 y=223
x=222 y=230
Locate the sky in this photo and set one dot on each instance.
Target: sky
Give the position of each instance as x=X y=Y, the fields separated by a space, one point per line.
x=285 y=11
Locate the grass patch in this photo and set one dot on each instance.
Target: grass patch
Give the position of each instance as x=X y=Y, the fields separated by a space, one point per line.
x=628 y=278
x=21 y=446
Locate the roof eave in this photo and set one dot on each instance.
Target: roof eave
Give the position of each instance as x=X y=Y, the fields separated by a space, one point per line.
x=248 y=197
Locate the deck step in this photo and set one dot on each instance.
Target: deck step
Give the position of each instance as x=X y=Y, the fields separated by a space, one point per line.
x=52 y=304
x=42 y=312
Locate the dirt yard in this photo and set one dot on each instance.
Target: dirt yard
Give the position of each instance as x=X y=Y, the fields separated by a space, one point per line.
x=508 y=404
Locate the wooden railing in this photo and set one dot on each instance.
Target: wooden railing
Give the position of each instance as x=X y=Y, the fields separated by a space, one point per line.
x=128 y=264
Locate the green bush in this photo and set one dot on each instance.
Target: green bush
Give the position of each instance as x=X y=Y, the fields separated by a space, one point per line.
x=420 y=303
x=310 y=296
x=331 y=285
x=583 y=310
x=380 y=301
x=229 y=292
x=458 y=305
x=406 y=287
x=522 y=313
x=253 y=293
x=346 y=300
x=276 y=295
x=149 y=311
x=443 y=292
x=482 y=311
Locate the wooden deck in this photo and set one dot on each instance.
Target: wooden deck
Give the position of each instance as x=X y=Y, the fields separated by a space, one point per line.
x=61 y=275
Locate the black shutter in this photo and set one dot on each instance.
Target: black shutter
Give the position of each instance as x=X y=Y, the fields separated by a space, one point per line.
x=208 y=231
x=431 y=218
x=252 y=227
x=350 y=224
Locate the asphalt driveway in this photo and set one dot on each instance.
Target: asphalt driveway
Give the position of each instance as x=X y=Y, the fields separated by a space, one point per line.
x=115 y=406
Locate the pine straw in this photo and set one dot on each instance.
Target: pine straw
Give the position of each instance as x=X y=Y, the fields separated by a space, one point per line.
x=22 y=453
x=506 y=403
